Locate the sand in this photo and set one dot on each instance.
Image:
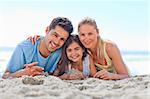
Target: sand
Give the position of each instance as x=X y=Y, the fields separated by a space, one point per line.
x=41 y=87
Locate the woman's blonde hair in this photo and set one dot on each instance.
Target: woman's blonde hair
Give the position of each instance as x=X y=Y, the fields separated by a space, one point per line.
x=100 y=42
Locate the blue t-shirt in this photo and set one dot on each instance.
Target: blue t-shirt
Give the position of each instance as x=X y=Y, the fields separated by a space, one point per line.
x=26 y=53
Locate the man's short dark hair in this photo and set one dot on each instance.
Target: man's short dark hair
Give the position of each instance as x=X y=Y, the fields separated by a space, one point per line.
x=63 y=22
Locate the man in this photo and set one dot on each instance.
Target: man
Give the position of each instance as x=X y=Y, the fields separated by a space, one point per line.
x=43 y=56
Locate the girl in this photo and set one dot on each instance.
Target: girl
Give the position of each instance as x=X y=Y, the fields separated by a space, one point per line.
x=76 y=63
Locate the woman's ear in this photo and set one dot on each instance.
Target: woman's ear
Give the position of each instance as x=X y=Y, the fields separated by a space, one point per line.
x=47 y=30
x=97 y=30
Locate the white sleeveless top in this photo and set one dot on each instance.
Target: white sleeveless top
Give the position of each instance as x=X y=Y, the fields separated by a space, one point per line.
x=86 y=67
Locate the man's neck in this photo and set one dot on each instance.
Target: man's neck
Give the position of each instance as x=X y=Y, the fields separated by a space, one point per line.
x=43 y=50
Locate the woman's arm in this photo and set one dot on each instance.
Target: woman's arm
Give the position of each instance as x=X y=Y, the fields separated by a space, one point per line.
x=34 y=38
x=114 y=54
x=120 y=67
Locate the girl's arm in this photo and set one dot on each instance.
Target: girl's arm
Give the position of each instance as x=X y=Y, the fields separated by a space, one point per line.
x=65 y=77
x=56 y=72
x=92 y=67
x=72 y=76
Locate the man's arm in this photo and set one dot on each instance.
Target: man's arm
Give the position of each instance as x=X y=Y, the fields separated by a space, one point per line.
x=30 y=70
x=16 y=74
x=15 y=66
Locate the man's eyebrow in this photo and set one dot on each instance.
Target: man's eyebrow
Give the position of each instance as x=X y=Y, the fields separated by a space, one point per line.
x=59 y=35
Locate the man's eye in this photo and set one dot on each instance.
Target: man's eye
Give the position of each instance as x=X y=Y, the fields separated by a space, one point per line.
x=55 y=35
x=62 y=39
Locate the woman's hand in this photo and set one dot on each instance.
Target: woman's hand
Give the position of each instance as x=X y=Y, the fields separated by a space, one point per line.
x=104 y=74
x=34 y=38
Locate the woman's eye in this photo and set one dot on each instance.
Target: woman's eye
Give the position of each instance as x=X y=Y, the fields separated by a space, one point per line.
x=82 y=34
x=90 y=33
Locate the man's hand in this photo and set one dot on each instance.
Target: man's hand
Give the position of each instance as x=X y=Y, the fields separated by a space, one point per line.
x=32 y=69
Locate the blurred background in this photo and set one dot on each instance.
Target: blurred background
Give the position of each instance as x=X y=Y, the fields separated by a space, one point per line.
x=126 y=22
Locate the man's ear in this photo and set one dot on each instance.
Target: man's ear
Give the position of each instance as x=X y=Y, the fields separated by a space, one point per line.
x=47 y=30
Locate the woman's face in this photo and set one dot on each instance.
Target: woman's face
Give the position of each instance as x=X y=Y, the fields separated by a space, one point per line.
x=74 y=52
x=88 y=36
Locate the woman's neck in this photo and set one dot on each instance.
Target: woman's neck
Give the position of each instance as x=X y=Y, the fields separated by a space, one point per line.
x=93 y=50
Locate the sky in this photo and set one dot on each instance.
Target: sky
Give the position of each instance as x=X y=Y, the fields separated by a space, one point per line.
x=126 y=22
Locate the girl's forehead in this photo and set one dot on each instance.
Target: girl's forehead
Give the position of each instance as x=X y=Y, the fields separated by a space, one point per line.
x=74 y=43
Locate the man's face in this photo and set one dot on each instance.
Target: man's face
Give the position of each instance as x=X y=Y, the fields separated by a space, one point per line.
x=55 y=38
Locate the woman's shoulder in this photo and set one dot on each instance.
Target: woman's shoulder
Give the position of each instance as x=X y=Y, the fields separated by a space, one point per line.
x=110 y=46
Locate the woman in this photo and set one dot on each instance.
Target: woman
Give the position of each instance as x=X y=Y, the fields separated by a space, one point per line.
x=106 y=55
x=76 y=63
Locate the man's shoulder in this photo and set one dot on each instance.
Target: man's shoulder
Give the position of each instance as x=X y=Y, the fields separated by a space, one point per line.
x=27 y=46
x=57 y=52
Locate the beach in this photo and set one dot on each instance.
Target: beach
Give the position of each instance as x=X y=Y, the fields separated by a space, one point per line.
x=41 y=87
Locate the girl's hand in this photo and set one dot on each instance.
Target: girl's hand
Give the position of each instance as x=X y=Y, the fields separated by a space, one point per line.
x=76 y=76
x=34 y=38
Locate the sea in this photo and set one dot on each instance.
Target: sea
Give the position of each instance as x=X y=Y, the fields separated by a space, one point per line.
x=137 y=61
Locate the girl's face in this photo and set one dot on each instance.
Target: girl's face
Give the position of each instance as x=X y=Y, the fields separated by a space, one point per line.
x=88 y=36
x=74 y=52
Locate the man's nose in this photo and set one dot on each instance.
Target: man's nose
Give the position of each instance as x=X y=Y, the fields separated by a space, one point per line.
x=58 y=40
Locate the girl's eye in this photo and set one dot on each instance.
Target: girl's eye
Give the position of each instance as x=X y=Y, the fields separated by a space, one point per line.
x=68 y=50
x=77 y=48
